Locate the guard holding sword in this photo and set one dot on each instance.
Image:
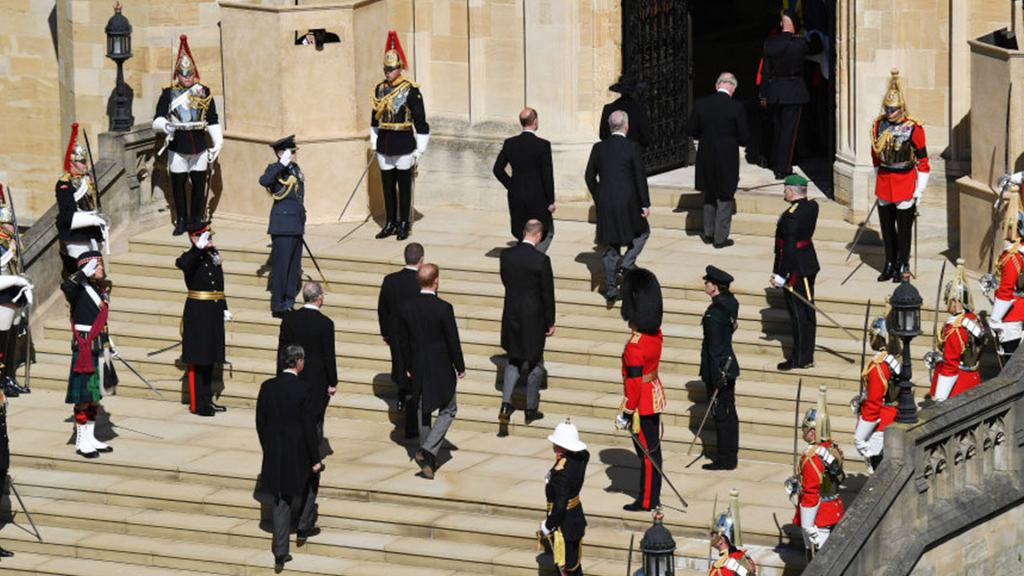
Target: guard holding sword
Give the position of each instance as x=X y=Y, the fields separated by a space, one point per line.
x=796 y=266
x=186 y=112
x=565 y=525
x=718 y=366
x=644 y=397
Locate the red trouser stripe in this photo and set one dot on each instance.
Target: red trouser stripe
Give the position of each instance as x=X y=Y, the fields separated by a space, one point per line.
x=192 y=386
x=646 y=489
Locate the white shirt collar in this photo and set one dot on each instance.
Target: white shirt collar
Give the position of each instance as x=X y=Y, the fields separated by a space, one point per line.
x=724 y=91
x=530 y=243
x=311 y=306
x=530 y=130
x=291 y=371
x=623 y=134
x=413 y=268
x=425 y=291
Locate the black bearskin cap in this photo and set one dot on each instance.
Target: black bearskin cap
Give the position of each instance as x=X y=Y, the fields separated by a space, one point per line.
x=641 y=300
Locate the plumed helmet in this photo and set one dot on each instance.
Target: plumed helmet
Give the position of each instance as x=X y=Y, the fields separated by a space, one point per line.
x=76 y=152
x=894 y=95
x=878 y=334
x=957 y=289
x=185 y=64
x=817 y=417
x=641 y=300
x=394 y=56
x=1012 y=223
x=727 y=524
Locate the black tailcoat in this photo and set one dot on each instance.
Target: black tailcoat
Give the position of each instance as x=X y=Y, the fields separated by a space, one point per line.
x=397 y=287
x=531 y=187
x=431 y=351
x=286 y=424
x=616 y=179
x=314 y=331
x=720 y=123
x=529 y=301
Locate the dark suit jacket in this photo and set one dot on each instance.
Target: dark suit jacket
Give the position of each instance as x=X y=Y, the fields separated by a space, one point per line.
x=782 y=70
x=314 y=331
x=616 y=179
x=288 y=216
x=720 y=123
x=431 y=351
x=794 y=247
x=529 y=301
x=286 y=424
x=531 y=187
x=396 y=288
x=639 y=125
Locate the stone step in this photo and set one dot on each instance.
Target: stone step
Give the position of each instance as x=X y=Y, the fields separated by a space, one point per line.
x=747 y=202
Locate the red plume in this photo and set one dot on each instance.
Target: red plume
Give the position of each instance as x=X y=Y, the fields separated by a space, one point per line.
x=71 y=146
x=183 y=47
x=394 y=43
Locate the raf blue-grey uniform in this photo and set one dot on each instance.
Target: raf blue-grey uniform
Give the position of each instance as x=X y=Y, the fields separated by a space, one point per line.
x=287 y=225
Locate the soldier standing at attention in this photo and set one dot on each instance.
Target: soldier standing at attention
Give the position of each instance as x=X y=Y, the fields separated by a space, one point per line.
x=718 y=366
x=796 y=267
x=566 y=524
x=286 y=184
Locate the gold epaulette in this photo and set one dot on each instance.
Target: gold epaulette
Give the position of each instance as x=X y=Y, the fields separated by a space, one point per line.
x=635 y=338
x=66 y=177
x=792 y=209
x=560 y=465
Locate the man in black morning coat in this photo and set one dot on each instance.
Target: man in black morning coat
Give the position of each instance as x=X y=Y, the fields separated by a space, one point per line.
x=432 y=355
x=616 y=179
x=286 y=425
x=310 y=328
x=285 y=183
x=720 y=123
x=399 y=287
x=527 y=319
x=531 y=187
x=629 y=102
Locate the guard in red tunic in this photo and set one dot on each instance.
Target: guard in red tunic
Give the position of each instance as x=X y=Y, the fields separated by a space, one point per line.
x=727 y=539
x=876 y=407
x=1008 y=283
x=901 y=176
x=961 y=341
x=819 y=474
x=640 y=411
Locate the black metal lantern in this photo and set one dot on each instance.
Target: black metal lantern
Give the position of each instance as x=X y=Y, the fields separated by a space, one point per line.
x=119 y=49
x=906 y=304
x=658 y=549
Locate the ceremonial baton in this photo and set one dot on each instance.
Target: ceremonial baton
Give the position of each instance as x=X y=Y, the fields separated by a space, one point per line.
x=27 y=309
x=136 y=372
x=162 y=350
x=14 y=490
x=860 y=231
x=864 y=344
x=820 y=311
x=656 y=467
x=711 y=405
x=313 y=258
x=358 y=182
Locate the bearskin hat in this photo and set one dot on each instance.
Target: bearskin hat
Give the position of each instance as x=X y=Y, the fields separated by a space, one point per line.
x=641 y=300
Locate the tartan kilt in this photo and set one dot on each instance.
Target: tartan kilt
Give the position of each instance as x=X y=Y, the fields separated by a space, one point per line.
x=85 y=388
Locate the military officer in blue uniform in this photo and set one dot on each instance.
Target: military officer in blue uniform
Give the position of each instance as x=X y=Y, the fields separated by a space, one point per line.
x=285 y=184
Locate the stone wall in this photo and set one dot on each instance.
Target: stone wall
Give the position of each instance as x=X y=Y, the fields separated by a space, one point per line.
x=994 y=547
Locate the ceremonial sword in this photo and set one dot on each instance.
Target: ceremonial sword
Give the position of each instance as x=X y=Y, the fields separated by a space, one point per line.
x=711 y=405
x=162 y=350
x=820 y=311
x=358 y=182
x=313 y=258
x=656 y=467
x=14 y=490
x=863 y=226
x=136 y=372
x=864 y=344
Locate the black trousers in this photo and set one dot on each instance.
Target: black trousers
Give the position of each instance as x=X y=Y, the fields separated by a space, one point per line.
x=786 y=121
x=397 y=186
x=200 y=387
x=897 y=232
x=650 y=478
x=198 y=204
x=727 y=423
x=803 y=320
x=286 y=265
x=573 y=558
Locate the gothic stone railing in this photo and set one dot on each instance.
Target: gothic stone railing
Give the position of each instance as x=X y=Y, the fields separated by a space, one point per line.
x=959 y=466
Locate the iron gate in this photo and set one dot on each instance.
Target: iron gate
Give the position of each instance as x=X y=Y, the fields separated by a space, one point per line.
x=656 y=49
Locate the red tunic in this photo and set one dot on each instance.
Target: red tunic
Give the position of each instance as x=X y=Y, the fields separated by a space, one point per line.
x=953 y=340
x=639 y=363
x=898 y=185
x=736 y=563
x=873 y=408
x=812 y=470
x=1011 y=262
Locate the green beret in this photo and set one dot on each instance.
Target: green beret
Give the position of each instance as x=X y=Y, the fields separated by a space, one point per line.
x=796 y=180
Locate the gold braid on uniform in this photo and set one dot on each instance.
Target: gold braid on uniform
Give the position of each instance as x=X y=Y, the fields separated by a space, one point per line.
x=952 y=328
x=287 y=185
x=386 y=103
x=1008 y=255
x=196 y=102
x=882 y=142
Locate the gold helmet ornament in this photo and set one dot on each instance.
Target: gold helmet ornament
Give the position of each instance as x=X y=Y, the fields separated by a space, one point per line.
x=394 y=57
x=76 y=152
x=957 y=289
x=894 y=95
x=185 y=64
x=817 y=418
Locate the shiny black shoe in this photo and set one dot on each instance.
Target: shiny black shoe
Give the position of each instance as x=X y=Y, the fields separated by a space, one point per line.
x=302 y=535
x=279 y=561
x=505 y=413
x=21 y=390
x=718 y=466
x=901 y=268
x=388 y=230
x=403 y=231
x=634 y=507
x=5 y=553
x=426 y=462
x=9 y=390
x=887 y=271
x=205 y=413
x=533 y=415
x=724 y=244
x=179 y=227
x=218 y=407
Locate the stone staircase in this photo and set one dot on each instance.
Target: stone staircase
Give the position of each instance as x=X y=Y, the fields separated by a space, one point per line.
x=177 y=493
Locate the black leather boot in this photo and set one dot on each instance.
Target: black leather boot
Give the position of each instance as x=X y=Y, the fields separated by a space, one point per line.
x=388 y=230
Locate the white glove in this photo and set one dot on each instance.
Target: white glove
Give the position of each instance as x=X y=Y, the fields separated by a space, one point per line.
x=999 y=309
x=416 y=155
x=27 y=293
x=228 y=316
x=1017 y=178
x=943 y=386
x=808 y=516
x=217 y=135
x=204 y=240
x=812 y=537
x=922 y=183
x=85 y=219
x=83 y=188
x=778 y=281
x=544 y=528
x=90 y=268
x=421 y=144
x=373 y=138
x=621 y=421
x=286 y=158
x=22 y=280
x=862 y=437
x=162 y=125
